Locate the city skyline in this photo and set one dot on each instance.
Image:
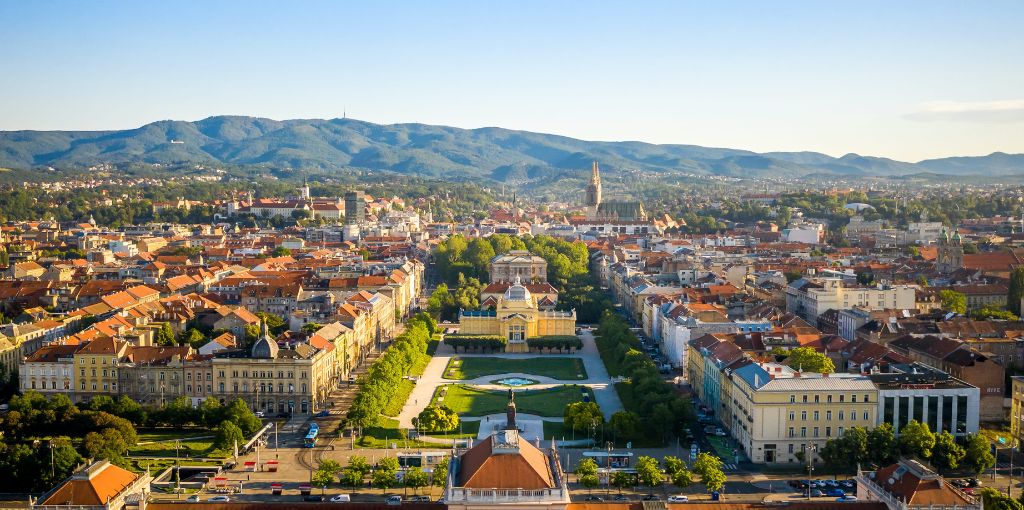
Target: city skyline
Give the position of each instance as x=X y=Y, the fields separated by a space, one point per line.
x=909 y=82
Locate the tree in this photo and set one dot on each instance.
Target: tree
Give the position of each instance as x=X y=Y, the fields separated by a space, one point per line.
x=589 y=481
x=709 y=468
x=440 y=475
x=626 y=424
x=416 y=478
x=351 y=477
x=275 y=324
x=648 y=472
x=978 y=454
x=325 y=473
x=1016 y=291
x=916 y=438
x=994 y=500
x=165 y=335
x=947 y=454
x=807 y=359
x=281 y=251
x=193 y=337
x=580 y=416
x=437 y=418
x=228 y=435
x=385 y=474
x=240 y=414
x=953 y=301
x=621 y=480
x=922 y=280
x=65 y=459
x=848 y=450
x=311 y=327
x=586 y=466
x=882 y=444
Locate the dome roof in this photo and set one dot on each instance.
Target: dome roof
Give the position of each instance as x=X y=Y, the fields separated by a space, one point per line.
x=266 y=346
x=517 y=292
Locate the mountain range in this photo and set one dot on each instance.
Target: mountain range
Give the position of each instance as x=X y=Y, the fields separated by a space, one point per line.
x=500 y=154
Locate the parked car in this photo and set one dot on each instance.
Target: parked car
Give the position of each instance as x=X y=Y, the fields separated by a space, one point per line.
x=846 y=499
x=836 y=493
x=193 y=498
x=719 y=431
x=341 y=498
x=973 y=482
x=650 y=497
x=219 y=499
x=816 y=493
x=420 y=499
x=593 y=498
x=620 y=497
x=313 y=498
x=323 y=413
x=678 y=498
x=260 y=414
x=394 y=500
x=710 y=429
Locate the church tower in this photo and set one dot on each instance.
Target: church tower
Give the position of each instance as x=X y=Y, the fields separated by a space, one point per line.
x=950 y=256
x=593 y=196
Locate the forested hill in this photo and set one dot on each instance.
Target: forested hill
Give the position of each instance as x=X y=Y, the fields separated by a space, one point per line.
x=500 y=154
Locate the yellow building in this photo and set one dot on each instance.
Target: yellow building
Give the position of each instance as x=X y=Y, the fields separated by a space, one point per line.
x=516 y=318
x=778 y=412
x=1017 y=408
x=97 y=364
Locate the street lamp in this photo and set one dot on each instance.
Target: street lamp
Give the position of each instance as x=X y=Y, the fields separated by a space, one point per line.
x=810 y=467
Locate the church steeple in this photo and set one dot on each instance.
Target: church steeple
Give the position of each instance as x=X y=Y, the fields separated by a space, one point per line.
x=593 y=197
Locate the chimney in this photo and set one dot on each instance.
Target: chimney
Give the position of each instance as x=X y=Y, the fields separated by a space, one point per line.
x=796 y=374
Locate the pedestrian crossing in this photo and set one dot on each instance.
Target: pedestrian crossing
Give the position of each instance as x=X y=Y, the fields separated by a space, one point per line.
x=730 y=467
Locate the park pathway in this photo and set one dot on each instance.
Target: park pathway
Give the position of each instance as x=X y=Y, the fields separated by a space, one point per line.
x=597 y=379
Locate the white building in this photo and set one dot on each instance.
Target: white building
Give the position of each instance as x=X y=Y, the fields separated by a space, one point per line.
x=809 y=298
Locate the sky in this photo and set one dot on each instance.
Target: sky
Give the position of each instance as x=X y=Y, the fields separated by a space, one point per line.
x=907 y=80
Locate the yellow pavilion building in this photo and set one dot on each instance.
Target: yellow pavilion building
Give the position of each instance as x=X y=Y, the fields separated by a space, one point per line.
x=516 y=318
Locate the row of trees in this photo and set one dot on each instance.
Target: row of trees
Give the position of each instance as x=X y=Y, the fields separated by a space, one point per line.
x=653 y=408
x=880 y=446
x=445 y=304
x=650 y=474
x=476 y=343
x=383 y=475
x=380 y=385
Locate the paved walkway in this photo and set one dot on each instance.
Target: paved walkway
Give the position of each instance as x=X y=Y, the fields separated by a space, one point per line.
x=433 y=376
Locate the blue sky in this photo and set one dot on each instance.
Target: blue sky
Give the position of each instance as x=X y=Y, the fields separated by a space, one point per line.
x=908 y=80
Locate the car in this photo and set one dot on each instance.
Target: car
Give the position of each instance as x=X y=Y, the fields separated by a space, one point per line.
x=719 y=431
x=420 y=499
x=394 y=500
x=284 y=415
x=260 y=414
x=678 y=498
x=836 y=493
x=650 y=497
x=593 y=498
x=193 y=498
x=815 y=493
x=620 y=497
x=710 y=429
x=968 y=490
x=341 y=498
x=219 y=499
x=973 y=482
x=323 y=413
x=313 y=498
x=846 y=499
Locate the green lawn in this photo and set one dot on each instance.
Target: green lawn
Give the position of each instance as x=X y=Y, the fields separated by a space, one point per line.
x=561 y=368
x=470 y=401
x=160 y=443
x=383 y=434
x=157 y=465
x=558 y=430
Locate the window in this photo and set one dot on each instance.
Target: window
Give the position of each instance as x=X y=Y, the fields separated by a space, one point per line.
x=805 y=399
x=840 y=432
x=792 y=416
x=803 y=415
x=828 y=399
x=817 y=399
x=853 y=398
x=792 y=399
x=803 y=431
x=866 y=399
x=828 y=431
x=815 y=431
x=828 y=415
x=817 y=415
x=865 y=416
x=791 y=432
x=842 y=398
x=841 y=416
x=790 y=447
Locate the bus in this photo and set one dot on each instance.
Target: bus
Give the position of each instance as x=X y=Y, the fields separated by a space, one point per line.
x=614 y=460
x=314 y=431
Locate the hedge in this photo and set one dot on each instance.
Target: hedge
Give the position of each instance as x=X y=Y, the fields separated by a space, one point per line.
x=560 y=342
x=488 y=343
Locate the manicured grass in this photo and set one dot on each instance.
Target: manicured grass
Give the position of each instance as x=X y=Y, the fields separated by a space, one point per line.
x=470 y=401
x=467 y=430
x=383 y=434
x=157 y=465
x=557 y=430
x=160 y=443
x=561 y=368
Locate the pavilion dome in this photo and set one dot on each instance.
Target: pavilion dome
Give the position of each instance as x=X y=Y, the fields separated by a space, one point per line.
x=517 y=292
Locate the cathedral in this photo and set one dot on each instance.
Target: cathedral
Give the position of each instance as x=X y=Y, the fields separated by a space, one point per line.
x=612 y=210
x=950 y=252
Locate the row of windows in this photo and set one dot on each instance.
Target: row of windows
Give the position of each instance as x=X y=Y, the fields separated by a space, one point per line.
x=828 y=415
x=264 y=388
x=828 y=399
x=113 y=372
x=261 y=374
x=815 y=432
